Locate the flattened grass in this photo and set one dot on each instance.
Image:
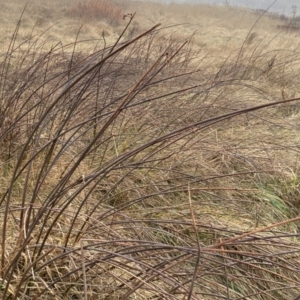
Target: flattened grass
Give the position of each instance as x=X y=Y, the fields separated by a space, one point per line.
x=147 y=169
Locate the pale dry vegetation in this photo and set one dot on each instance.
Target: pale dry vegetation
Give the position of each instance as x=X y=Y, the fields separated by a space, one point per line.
x=97 y=9
x=160 y=166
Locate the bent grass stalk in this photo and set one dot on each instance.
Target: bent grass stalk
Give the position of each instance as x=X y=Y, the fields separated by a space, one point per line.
x=118 y=189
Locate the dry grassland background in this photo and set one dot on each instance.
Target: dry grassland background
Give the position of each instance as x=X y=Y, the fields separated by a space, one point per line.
x=148 y=162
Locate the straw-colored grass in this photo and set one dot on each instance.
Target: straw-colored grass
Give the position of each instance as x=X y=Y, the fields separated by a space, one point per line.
x=148 y=163
x=97 y=9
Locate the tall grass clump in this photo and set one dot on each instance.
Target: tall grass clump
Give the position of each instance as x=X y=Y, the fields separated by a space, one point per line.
x=97 y=10
x=142 y=171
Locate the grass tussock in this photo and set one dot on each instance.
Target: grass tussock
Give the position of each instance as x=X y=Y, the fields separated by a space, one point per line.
x=97 y=10
x=149 y=170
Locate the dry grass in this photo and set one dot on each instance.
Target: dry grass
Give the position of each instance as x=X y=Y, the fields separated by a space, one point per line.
x=150 y=167
x=97 y=9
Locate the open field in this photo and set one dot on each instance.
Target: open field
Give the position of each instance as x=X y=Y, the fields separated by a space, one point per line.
x=140 y=161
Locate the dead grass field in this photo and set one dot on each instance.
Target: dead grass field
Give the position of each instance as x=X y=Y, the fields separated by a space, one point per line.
x=156 y=162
